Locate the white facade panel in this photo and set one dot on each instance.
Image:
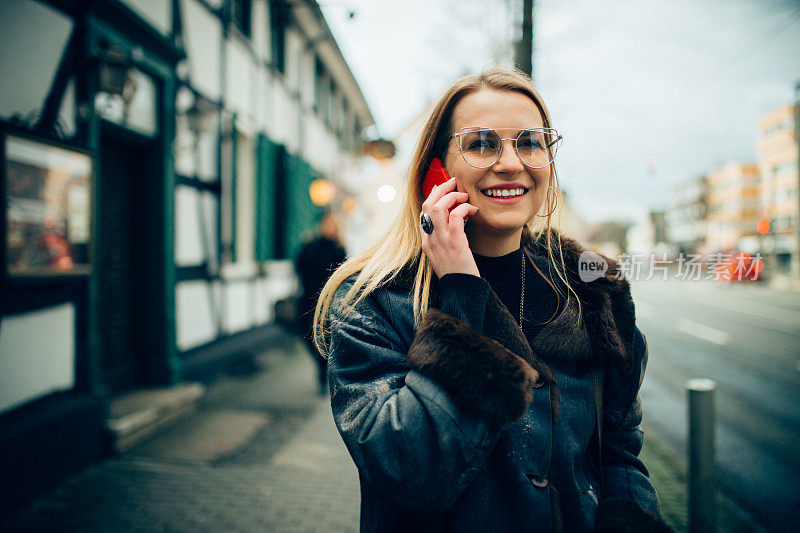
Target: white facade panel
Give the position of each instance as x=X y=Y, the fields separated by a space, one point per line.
x=254 y=95
x=294 y=47
x=259 y=28
x=280 y=282
x=207 y=149
x=35 y=364
x=156 y=12
x=320 y=148
x=245 y=199
x=287 y=116
x=202 y=39
x=281 y=278
x=262 y=303
x=218 y=303
x=307 y=73
x=312 y=134
x=238 y=80
x=271 y=107
x=263 y=100
x=194 y=314
x=184 y=148
x=238 y=301
x=210 y=211
x=188 y=239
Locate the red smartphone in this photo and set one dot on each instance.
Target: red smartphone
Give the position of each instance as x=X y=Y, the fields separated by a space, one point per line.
x=436 y=175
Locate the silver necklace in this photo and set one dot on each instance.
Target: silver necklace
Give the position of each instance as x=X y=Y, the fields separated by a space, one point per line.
x=522 y=288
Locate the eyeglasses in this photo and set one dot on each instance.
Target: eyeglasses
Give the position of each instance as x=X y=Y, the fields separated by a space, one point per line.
x=481 y=147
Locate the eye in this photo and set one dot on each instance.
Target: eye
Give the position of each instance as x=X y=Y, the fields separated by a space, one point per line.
x=529 y=141
x=481 y=142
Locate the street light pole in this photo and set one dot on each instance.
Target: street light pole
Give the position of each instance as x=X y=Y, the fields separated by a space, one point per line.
x=524 y=59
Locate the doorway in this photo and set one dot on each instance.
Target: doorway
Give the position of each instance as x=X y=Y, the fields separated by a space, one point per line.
x=127 y=170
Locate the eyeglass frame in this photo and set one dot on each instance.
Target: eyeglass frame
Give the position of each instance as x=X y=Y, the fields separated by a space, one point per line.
x=473 y=129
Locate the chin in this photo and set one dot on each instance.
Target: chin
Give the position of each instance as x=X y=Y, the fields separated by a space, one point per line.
x=502 y=224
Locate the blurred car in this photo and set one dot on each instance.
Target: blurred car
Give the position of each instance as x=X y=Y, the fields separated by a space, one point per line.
x=739 y=267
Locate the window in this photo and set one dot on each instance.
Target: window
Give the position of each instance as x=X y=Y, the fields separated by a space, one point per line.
x=38 y=37
x=279 y=13
x=228 y=182
x=330 y=116
x=240 y=15
x=319 y=74
x=135 y=107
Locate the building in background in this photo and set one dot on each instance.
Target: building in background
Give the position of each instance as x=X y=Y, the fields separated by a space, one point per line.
x=161 y=163
x=777 y=159
x=650 y=237
x=733 y=205
x=685 y=218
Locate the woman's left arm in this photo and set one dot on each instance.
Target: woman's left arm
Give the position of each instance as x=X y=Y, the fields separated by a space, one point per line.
x=625 y=477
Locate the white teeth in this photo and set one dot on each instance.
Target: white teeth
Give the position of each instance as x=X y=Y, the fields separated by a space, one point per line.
x=504 y=193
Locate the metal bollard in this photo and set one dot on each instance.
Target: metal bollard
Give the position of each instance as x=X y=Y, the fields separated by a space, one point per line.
x=702 y=494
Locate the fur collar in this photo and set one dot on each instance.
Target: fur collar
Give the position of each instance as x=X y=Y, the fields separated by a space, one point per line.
x=606 y=329
x=602 y=331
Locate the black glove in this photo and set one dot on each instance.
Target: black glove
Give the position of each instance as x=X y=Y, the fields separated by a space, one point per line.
x=617 y=515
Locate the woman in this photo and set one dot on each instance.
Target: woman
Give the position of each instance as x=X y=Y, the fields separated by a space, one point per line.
x=472 y=403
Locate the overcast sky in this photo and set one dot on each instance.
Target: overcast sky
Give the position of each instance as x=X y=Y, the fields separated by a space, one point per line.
x=646 y=93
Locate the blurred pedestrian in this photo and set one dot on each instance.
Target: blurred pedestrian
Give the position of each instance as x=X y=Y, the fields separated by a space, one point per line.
x=315 y=262
x=479 y=378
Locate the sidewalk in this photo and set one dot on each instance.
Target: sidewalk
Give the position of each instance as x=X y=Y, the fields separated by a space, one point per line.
x=262 y=454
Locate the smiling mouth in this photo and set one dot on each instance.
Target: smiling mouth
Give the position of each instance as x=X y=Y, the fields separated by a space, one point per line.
x=504 y=193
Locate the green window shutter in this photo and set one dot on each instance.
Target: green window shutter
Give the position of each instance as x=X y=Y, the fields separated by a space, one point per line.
x=266 y=198
x=302 y=214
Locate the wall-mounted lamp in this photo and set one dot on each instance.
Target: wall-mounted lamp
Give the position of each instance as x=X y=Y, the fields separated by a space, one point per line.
x=321 y=192
x=386 y=193
x=114 y=67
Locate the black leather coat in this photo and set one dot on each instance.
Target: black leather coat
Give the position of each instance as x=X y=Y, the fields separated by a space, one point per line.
x=452 y=431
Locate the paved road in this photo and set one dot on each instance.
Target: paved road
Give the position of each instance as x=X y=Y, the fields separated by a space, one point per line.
x=746 y=338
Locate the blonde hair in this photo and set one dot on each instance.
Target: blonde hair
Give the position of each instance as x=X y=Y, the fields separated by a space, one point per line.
x=401 y=246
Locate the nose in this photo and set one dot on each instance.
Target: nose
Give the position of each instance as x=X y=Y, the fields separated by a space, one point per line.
x=508 y=162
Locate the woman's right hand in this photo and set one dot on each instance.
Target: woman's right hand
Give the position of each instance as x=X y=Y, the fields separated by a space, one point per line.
x=447 y=247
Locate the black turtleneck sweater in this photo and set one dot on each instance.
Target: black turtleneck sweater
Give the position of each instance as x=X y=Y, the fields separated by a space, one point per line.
x=504 y=276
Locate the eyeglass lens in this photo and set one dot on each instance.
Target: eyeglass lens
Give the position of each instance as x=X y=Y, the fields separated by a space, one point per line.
x=482 y=148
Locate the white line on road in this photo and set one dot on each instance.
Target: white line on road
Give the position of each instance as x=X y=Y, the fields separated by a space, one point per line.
x=703 y=332
x=782 y=319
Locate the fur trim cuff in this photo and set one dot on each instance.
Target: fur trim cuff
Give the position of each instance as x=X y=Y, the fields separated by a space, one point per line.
x=479 y=373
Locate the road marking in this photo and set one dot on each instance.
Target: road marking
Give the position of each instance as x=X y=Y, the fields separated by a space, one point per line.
x=783 y=319
x=703 y=332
